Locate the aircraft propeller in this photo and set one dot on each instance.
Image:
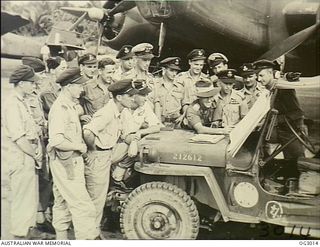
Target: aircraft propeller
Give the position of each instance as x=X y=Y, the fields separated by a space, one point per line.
x=290 y=43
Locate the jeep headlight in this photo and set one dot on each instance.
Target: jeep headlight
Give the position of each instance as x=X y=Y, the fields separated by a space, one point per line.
x=149 y=154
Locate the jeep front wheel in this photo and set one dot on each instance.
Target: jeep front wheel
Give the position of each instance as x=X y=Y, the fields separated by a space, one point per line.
x=159 y=210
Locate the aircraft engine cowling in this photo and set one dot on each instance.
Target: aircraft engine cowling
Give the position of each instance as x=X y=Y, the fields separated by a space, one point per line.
x=128 y=27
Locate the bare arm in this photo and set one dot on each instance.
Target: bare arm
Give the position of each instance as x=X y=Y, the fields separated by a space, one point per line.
x=200 y=129
x=25 y=146
x=89 y=139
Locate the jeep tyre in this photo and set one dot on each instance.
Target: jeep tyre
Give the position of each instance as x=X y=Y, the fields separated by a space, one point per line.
x=159 y=210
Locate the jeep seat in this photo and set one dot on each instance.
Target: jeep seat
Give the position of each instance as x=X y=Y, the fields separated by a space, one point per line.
x=309 y=164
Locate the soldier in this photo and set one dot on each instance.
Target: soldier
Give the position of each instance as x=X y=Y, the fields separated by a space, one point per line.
x=34 y=102
x=143 y=55
x=200 y=113
x=125 y=57
x=286 y=102
x=72 y=202
x=188 y=78
x=23 y=153
x=230 y=104
x=252 y=89
x=218 y=62
x=170 y=92
x=101 y=135
x=137 y=122
x=88 y=65
x=96 y=93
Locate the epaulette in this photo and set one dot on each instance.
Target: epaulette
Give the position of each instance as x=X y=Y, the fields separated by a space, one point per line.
x=240 y=94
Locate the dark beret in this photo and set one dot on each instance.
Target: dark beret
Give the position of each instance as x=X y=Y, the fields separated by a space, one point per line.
x=124 y=86
x=263 y=64
x=70 y=76
x=171 y=62
x=23 y=73
x=53 y=62
x=227 y=76
x=141 y=86
x=125 y=52
x=34 y=63
x=247 y=69
x=88 y=58
x=197 y=54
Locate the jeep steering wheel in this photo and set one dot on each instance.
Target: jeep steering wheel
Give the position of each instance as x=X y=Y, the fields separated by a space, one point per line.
x=304 y=139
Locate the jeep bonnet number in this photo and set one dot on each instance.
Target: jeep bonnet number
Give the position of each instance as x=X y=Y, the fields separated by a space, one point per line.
x=187 y=157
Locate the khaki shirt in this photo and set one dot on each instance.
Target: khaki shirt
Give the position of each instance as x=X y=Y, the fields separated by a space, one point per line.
x=64 y=122
x=195 y=114
x=251 y=97
x=230 y=110
x=119 y=74
x=96 y=95
x=132 y=121
x=34 y=103
x=185 y=79
x=170 y=99
x=17 y=119
x=106 y=125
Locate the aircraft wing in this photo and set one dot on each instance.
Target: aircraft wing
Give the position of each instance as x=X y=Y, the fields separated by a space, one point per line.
x=11 y=21
x=304 y=82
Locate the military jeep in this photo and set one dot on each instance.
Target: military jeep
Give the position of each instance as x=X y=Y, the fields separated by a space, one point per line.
x=230 y=174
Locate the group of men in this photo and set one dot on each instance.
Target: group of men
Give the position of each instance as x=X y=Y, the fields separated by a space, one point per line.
x=85 y=122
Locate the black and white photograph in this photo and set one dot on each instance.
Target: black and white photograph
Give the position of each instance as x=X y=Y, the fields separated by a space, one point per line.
x=160 y=120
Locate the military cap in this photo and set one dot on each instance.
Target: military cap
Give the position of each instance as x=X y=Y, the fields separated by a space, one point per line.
x=125 y=52
x=227 y=76
x=143 y=50
x=70 y=76
x=263 y=64
x=171 y=62
x=53 y=62
x=204 y=89
x=88 y=58
x=124 y=86
x=247 y=69
x=34 y=63
x=23 y=73
x=217 y=58
x=196 y=54
x=141 y=86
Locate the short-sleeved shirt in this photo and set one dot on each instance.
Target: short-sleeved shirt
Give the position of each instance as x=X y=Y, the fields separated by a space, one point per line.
x=132 y=121
x=119 y=74
x=230 y=110
x=170 y=98
x=252 y=96
x=195 y=114
x=17 y=119
x=185 y=79
x=106 y=125
x=96 y=95
x=64 y=123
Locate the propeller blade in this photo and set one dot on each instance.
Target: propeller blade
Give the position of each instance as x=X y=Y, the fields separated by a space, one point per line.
x=76 y=11
x=122 y=7
x=12 y=21
x=290 y=43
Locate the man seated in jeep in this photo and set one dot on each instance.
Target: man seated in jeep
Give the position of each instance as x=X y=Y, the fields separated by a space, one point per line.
x=200 y=113
x=137 y=122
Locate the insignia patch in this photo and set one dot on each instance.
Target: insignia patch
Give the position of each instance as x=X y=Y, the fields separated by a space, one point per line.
x=200 y=53
x=245 y=68
x=177 y=62
x=229 y=74
x=126 y=50
x=273 y=210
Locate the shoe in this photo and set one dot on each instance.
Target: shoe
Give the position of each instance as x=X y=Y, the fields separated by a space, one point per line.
x=46 y=227
x=35 y=233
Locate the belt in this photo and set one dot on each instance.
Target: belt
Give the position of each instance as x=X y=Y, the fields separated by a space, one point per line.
x=102 y=149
